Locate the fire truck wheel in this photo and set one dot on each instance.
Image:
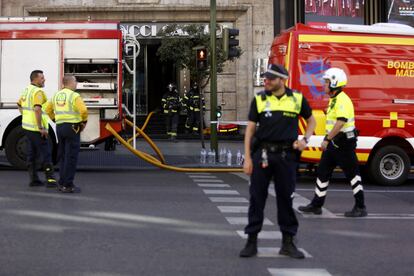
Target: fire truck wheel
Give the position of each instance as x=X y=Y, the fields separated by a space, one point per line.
x=389 y=166
x=15 y=147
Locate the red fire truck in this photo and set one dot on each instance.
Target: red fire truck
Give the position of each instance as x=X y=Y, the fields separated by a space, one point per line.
x=92 y=51
x=379 y=62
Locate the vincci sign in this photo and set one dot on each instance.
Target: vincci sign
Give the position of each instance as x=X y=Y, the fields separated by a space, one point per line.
x=150 y=30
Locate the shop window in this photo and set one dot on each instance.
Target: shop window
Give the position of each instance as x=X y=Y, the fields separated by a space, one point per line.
x=401 y=11
x=335 y=11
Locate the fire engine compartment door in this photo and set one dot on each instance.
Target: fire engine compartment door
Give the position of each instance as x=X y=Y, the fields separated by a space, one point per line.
x=19 y=58
x=91 y=48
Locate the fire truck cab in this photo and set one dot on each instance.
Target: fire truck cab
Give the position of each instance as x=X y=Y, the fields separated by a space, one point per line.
x=91 y=51
x=379 y=63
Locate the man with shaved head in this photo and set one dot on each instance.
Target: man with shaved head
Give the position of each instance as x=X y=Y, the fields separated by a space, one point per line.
x=71 y=115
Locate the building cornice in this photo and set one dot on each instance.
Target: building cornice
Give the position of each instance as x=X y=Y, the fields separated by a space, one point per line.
x=139 y=13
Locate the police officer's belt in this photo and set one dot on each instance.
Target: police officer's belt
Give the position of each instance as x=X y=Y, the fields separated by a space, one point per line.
x=277 y=146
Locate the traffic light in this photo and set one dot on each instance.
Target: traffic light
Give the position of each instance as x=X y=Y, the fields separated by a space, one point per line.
x=218 y=111
x=201 y=59
x=230 y=43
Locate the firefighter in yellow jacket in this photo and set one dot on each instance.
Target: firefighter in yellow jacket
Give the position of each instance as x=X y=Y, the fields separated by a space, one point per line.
x=338 y=146
x=71 y=116
x=35 y=126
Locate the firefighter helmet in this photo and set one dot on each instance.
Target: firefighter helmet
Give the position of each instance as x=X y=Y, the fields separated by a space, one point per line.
x=337 y=77
x=171 y=87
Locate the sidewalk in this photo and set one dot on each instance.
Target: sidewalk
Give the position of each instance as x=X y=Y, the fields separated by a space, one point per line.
x=182 y=153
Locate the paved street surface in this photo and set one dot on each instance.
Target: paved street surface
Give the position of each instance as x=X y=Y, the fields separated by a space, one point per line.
x=153 y=222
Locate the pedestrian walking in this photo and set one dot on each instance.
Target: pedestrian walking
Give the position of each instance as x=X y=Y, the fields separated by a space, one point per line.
x=338 y=146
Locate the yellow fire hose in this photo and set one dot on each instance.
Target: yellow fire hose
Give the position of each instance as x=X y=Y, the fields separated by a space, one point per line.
x=152 y=160
x=142 y=128
x=149 y=141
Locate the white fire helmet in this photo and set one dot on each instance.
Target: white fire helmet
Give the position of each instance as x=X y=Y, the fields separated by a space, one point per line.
x=336 y=77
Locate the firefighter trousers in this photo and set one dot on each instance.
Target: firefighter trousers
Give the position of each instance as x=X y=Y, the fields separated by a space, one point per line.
x=282 y=169
x=68 y=151
x=37 y=145
x=193 y=121
x=172 y=123
x=345 y=157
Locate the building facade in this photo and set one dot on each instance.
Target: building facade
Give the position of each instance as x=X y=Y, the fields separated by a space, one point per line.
x=254 y=19
x=258 y=22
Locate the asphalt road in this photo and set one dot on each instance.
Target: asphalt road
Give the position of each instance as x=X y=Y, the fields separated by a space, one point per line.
x=152 y=222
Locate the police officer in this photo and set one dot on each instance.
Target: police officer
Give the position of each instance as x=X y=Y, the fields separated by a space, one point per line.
x=36 y=126
x=338 y=146
x=171 y=103
x=193 y=102
x=273 y=155
x=71 y=116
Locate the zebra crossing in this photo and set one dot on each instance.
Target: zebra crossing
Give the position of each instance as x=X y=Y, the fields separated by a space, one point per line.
x=234 y=208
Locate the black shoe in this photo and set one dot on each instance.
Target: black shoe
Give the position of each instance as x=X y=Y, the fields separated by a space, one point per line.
x=356 y=212
x=69 y=189
x=250 y=249
x=34 y=178
x=289 y=248
x=310 y=209
x=36 y=183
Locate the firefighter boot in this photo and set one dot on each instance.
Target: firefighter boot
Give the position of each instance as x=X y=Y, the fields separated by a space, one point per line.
x=34 y=178
x=310 y=209
x=50 y=178
x=357 y=212
x=250 y=249
x=289 y=248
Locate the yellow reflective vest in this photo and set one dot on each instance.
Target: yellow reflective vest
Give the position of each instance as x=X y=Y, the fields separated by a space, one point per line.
x=28 y=114
x=291 y=104
x=340 y=106
x=65 y=108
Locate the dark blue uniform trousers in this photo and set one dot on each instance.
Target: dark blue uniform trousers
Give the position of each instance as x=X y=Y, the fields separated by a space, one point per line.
x=36 y=145
x=68 y=151
x=283 y=171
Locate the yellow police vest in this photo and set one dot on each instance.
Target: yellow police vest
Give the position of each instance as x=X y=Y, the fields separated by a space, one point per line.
x=28 y=115
x=64 y=106
x=288 y=103
x=340 y=106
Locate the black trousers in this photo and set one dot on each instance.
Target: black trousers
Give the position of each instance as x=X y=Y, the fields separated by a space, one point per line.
x=282 y=169
x=344 y=156
x=193 y=121
x=68 y=151
x=172 y=123
x=38 y=146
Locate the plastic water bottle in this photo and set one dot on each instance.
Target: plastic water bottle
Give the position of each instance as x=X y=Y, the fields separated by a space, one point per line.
x=203 y=156
x=209 y=156
x=238 y=158
x=222 y=155
x=228 y=161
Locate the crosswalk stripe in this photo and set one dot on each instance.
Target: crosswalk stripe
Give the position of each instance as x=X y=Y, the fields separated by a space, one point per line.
x=298 y=272
x=243 y=221
x=221 y=192
x=202 y=180
x=202 y=176
x=199 y=173
x=264 y=235
x=233 y=209
x=267 y=252
x=229 y=199
x=213 y=185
